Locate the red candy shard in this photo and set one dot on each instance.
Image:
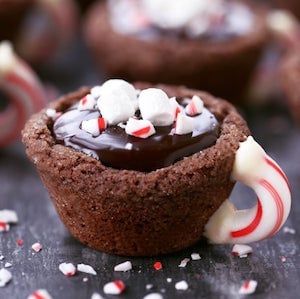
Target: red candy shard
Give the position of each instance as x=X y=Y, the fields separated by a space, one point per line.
x=157 y=266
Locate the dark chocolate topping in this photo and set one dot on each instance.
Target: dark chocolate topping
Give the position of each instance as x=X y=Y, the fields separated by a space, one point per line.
x=119 y=150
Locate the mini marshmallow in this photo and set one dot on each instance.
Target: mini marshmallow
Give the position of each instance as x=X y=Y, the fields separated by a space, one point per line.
x=88 y=102
x=86 y=269
x=68 y=269
x=40 y=294
x=115 y=106
x=183 y=263
x=241 y=250
x=114 y=287
x=5 y=277
x=181 y=285
x=195 y=106
x=123 y=87
x=139 y=128
x=37 y=247
x=155 y=106
x=184 y=124
x=248 y=287
x=8 y=216
x=94 y=126
x=123 y=267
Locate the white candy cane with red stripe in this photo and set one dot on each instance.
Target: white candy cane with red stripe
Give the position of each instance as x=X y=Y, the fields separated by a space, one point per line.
x=24 y=90
x=254 y=168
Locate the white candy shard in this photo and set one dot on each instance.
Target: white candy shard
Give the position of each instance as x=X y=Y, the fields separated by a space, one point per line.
x=183 y=263
x=8 y=216
x=248 y=287
x=195 y=256
x=139 y=128
x=155 y=106
x=181 y=285
x=114 y=287
x=37 y=247
x=5 y=277
x=288 y=230
x=88 y=102
x=96 y=296
x=8 y=265
x=68 y=269
x=153 y=296
x=195 y=106
x=241 y=250
x=94 y=126
x=86 y=269
x=40 y=294
x=175 y=107
x=123 y=267
x=184 y=124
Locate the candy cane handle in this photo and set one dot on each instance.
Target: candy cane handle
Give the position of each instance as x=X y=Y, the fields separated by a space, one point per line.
x=254 y=168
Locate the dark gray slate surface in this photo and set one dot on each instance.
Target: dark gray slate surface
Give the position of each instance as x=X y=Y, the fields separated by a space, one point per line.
x=217 y=275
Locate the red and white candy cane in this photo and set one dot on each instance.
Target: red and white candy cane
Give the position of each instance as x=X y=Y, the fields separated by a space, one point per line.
x=24 y=91
x=254 y=168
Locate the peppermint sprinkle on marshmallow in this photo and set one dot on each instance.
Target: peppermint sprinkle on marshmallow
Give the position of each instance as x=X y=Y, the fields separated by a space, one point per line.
x=195 y=106
x=8 y=216
x=181 y=285
x=153 y=296
x=94 y=126
x=68 y=269
x=155 y=106
x=40 y=294
x=5 y=277
x=88 y=102
x=123 y=267
x=184 y=124
x=37 y=247
x=248 y=287
x=86 y=269
x=241 y=250
x=139 y=128
x=183 y=263
x=114 y=287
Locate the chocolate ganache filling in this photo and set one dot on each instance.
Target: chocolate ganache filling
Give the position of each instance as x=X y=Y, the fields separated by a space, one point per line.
x=114 y=147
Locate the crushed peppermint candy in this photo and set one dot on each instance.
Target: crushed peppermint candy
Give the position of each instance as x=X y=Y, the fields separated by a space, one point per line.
x=183 y=263
x=169 y=280
x=195 y=106
x=153 y=296
x=157 y=266
x=40 y=294
x=37 y=247
x=5 y=277
x=88 y=102
x=149 y=286
x=86 y=269
x=241 y=250
x=141 y=128
x=288 y=230
x=94 y=126
x=68 y=269
x=181 y=285
x=248 y=287
x=115 y=287
x=4 y=227
x=195 y=256
x=8 y=216
x=8 y=265
x=96 y=296
x=123 y=267
x=184 y=124
x=20 y=242
x=2 y=257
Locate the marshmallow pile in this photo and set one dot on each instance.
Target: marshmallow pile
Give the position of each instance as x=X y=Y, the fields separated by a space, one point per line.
x=119 y=103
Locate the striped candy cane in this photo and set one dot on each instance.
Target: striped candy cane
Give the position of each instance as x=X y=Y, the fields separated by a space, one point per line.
x=23 y=89
x=254 y=168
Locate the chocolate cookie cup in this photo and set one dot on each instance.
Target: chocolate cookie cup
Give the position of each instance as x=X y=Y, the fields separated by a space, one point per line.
x=223 y=68
x=129 y=212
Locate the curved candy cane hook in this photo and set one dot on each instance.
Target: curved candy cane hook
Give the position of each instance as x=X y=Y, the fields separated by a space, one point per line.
x=254 y=168
x=23 y=89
